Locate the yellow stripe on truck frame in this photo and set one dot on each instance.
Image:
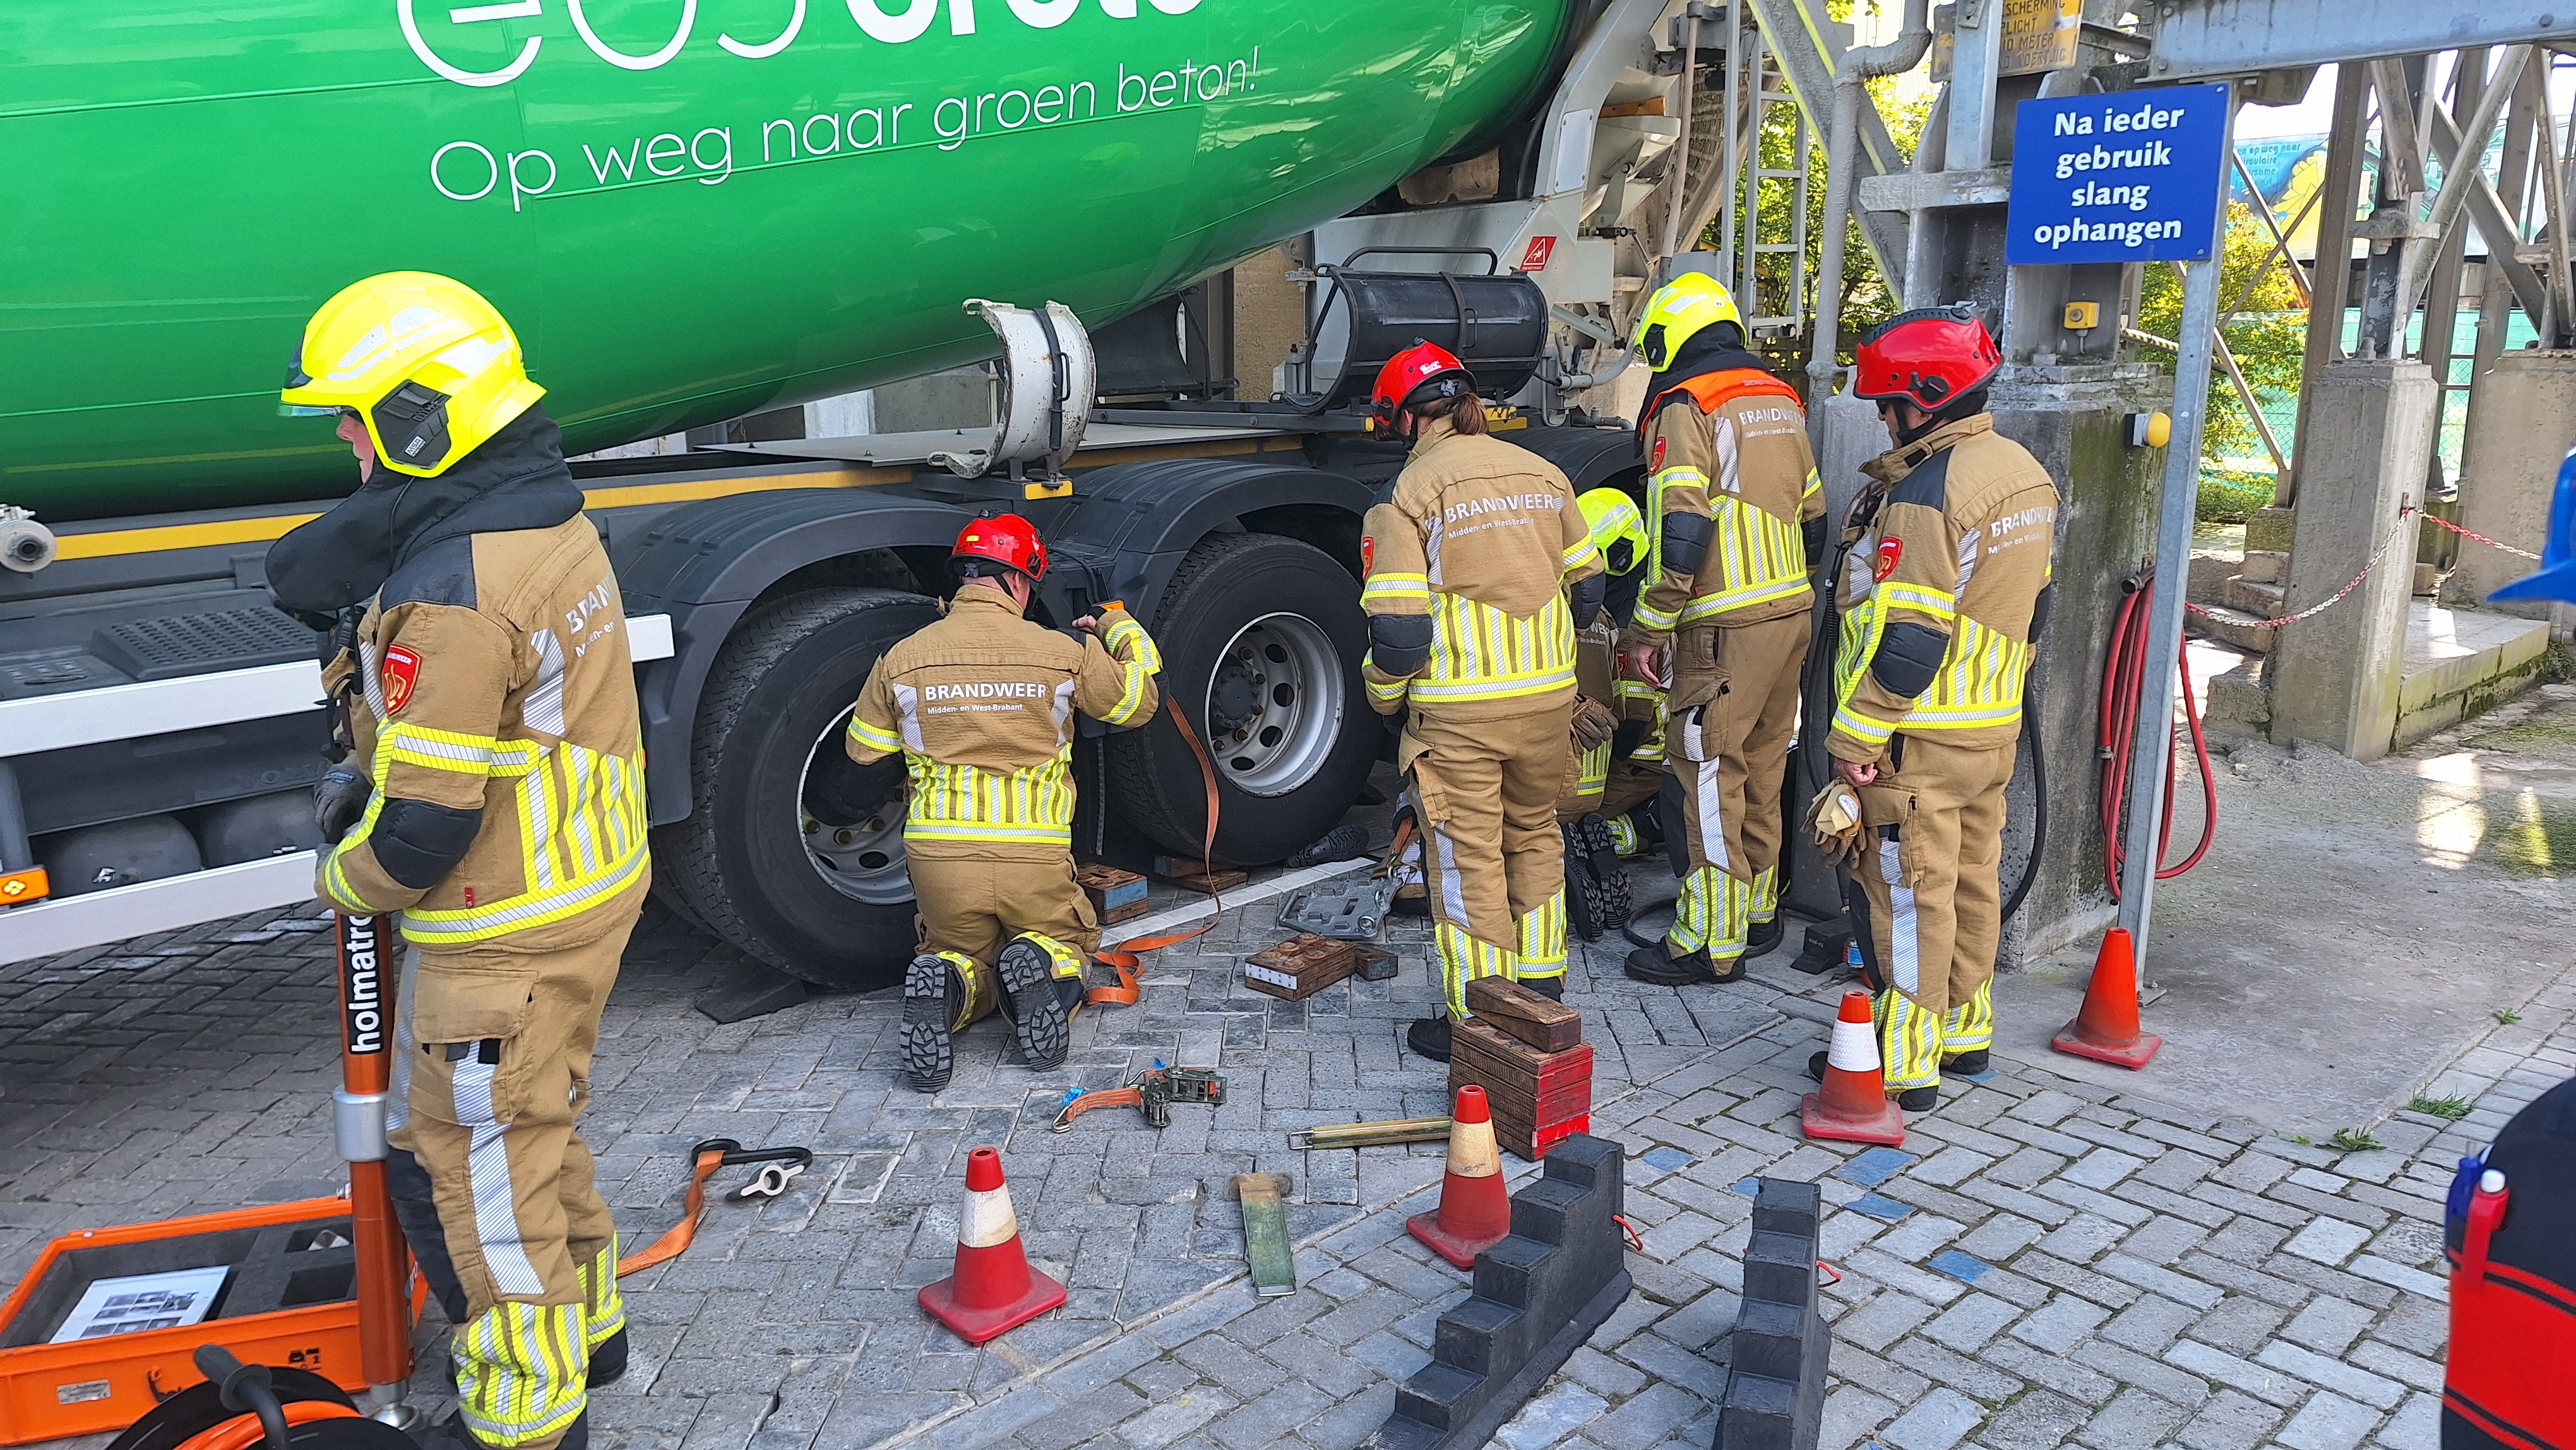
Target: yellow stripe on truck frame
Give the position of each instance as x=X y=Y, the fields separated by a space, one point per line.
x=112 y=543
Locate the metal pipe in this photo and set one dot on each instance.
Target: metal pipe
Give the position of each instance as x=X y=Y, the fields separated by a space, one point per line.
x=1677 y=166
x=16 y=854
x=2152 y=747
x=2553 y=193
x=1732 y=163
x=1621 y=353
x=2465 y=162
x=1842 y=146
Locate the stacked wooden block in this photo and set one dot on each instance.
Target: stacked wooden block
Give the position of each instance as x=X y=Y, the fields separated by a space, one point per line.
x=1116 y=895
x=1301 y=966
x=1529 y=1056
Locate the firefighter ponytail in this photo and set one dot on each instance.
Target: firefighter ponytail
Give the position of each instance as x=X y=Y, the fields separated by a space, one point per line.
x=1465 y=412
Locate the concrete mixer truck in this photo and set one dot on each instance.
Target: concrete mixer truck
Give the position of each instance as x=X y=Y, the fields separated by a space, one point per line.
x=698 y=210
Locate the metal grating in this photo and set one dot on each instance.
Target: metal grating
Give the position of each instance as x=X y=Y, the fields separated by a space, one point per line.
x=188 y=644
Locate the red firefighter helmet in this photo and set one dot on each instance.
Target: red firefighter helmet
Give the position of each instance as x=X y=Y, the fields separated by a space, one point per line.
x=1003 y=539
x=1415 y=376
x=1929 y=356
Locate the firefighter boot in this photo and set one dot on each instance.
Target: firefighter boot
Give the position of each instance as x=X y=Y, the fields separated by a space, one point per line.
x=1764 y=936
x=1596 y=883
x=1030 y=967
x=1655 y=964
x=451 y=1434
x=934 y=996
x=1429 y=1037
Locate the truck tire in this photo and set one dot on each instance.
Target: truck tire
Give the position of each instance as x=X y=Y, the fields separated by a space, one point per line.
x=815 y=888
x=1265 y=633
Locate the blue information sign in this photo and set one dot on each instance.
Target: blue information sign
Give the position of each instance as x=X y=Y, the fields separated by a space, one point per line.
x=2127 y=177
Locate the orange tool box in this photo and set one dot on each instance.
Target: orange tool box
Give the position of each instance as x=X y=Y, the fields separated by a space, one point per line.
x=289 y=1300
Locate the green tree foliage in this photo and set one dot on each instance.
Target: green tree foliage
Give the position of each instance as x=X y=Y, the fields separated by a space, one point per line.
x=2268 y=337
x=1866 y=298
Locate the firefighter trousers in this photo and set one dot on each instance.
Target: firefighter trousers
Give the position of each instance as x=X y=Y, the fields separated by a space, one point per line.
x=1929 y=902
x=1485 y=792
x=492 y=1066
x=1729 y=753
x=967 y=908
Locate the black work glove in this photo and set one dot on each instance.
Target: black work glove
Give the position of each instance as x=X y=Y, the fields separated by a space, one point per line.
x=339 y=799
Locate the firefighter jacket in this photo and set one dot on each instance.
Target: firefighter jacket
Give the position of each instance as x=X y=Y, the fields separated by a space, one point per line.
x=980 y=705
x=1729 y=447
x=1944 y=591
x=1467 y=569
x=499 y=728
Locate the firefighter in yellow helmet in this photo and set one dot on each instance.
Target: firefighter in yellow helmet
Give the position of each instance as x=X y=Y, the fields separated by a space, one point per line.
x=1736 y=512
x=1479 y=570
x=980 y=707
x=493 y=794
x=1943 y=600
x=1597 y=897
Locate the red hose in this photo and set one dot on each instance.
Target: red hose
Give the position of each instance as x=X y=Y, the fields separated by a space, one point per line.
x=2124 y=674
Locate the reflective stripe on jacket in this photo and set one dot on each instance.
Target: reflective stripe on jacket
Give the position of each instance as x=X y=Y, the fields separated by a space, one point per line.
x=1482 y=537
x=981 y=706
x=1731 y=447
x=496 y=679
x=1946 y=573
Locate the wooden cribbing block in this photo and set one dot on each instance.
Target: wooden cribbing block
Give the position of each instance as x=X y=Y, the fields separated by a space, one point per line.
x=1187 y=875
x=1502 y=1003
x=1115 y=895
x=1538 y=1097
x=1301 y=966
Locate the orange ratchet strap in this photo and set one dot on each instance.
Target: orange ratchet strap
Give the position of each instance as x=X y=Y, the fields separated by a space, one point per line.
x=714 y=1153
x=1122 y=958
x=1078 y=1102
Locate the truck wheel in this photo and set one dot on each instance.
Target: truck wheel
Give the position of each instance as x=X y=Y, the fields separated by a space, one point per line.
x=1261 y=639
x=791 y=852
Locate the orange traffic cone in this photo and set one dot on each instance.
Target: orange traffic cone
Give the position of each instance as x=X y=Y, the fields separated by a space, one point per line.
x=1475 y=1211
x=2106 y=1030
x=1853 y=1106
x=993 y=1288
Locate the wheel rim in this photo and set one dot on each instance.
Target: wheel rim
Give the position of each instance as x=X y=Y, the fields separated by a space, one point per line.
x=861 y=859
x=1274 y=705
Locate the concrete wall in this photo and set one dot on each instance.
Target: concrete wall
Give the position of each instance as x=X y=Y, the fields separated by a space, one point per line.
x=2069 y=417
x=2520 y=427
x=2335 y=676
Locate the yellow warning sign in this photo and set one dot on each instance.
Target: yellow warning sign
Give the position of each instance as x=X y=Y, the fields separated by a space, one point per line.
x=2039 y=35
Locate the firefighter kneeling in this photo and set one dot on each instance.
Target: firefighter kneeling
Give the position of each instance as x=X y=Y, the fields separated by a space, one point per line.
x=495 y=797
x=980 y=705
x=1945 y=592
x=1479 y=571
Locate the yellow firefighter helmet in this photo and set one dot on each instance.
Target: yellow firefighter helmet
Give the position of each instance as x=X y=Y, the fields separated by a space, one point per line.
x=431 y=368
x=1618 y=529
x=1677 y=311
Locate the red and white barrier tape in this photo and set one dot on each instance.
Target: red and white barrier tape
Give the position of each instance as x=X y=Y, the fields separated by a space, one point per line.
x=2483 y=539
x=2323 y=605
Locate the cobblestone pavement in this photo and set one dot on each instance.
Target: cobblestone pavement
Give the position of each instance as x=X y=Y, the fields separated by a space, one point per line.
x=2045 y=1262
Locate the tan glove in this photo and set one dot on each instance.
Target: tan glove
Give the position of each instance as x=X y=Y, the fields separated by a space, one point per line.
x=1834 y=819
x=1593 y=723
